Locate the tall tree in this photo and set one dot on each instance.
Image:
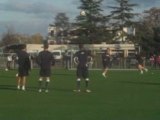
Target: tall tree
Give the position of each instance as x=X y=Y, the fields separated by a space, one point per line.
x=36 y=38
x=122 y=16
x=62 y=26
x=148 y=30
x=62 y=21
x=89 y=23
x=10 y=36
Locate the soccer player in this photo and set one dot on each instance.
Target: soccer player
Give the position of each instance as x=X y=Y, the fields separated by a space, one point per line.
x=9 y=61
x=82 y=59
x=141 y=64
x=45 y=60
x=106 y=61
x=24 y=66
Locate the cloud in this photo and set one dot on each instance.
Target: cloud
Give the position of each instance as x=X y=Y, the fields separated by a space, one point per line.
x=30 y=16
x=27 y=27
x=75 y=2
x=36 y=8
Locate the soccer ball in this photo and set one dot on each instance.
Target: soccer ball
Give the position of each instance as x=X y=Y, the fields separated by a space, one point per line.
x=83 y=13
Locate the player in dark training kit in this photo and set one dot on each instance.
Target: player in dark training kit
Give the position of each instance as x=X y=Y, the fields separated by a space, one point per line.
x=24 y=66
x=45 y=60
x=106 y=61
x=82 y=59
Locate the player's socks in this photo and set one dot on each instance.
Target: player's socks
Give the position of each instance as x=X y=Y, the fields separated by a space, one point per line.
x=40 y=90
x=46 y=85
x=141 y=71
x=104 y=75
x=78 y=85
x=87 y=82
x=88 y=91
x=77 y=90
x=46 y=90
x=23 y=88
x=40 y=84
x=146 y=69
x=18 y=87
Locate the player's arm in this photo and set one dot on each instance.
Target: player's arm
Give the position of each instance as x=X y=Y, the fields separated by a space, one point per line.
x=76 y=60
x=53 y=60
x=89 y=60
x=38 y=59
x=28 y=62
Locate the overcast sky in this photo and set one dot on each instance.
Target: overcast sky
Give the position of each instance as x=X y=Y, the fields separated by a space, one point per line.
x=33 y=16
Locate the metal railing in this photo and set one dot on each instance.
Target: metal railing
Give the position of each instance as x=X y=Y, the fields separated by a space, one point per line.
x=117 y=62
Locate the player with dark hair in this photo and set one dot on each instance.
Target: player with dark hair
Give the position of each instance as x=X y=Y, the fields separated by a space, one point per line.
x=82 y=59
x=24 y=66
x=141 y=64
x=106 y=61
x=45 y=60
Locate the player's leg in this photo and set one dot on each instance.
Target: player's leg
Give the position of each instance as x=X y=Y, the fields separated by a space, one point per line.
x=24 y=75
x=47 y=75
x=140 y=67
x=78 y=81
x=104 y=73
x=41 y=78
x=86 y=77
x=40 y=84
x=105 y=70
x=9 y=65
x=18 y=82
x=144 y=68
x=19 y=78
x=6 y=69
x=24 y=83
x=47 y=83
x=78 y=85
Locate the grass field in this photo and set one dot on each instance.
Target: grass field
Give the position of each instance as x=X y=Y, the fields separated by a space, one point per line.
x=124 y=95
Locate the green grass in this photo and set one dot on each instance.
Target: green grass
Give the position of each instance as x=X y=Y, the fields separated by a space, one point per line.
x=124 y=95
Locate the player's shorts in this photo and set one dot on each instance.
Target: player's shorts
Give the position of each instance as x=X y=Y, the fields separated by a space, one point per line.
x=140 y=62
x=23 y=72
x=82 y=72
x=106 y=65
x=45 y=72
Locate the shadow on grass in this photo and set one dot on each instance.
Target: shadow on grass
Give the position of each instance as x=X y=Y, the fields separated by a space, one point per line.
x=139 y=83
x=32 y=88
x=62 y=89
x=7 y=87
x=62 y=74
x=13 y=87
x=35 y=89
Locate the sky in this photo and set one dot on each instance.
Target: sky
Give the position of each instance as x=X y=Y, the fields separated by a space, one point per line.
x=34 y=16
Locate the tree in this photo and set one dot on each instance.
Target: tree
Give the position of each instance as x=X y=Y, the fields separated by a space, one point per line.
x=148 y=30
x=62 y=26
x=62 y=21
x=10 y=37
x=36 y=39
x=89 y=24
x=121 y=16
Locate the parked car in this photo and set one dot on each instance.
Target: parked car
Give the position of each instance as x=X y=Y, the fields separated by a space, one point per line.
x=57 y=55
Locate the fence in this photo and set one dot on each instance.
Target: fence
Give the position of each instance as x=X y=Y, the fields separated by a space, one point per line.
x=118 y=61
